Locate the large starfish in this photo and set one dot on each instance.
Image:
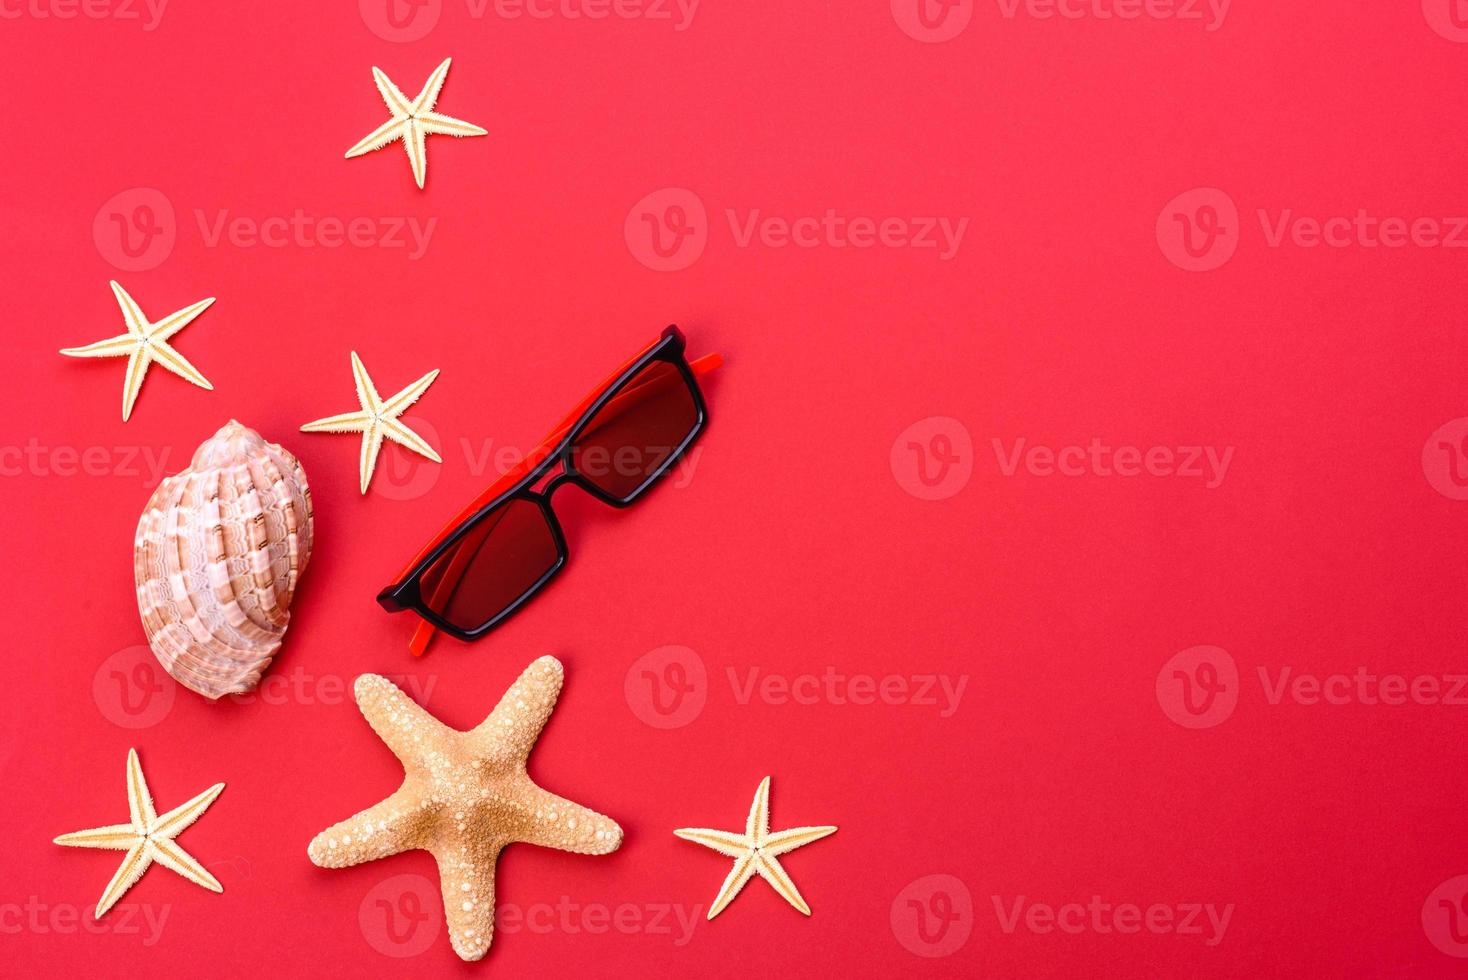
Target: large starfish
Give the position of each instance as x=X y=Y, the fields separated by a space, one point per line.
x=755 y=851
x=144 y=344
x=378 y=419
x=464 y=797
x=413 y=121
x=147 y=837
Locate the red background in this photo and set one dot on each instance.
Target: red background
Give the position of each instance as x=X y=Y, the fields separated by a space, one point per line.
x=794 y=546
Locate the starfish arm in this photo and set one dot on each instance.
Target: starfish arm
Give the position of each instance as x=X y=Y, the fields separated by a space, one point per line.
x=139 y=800
x=397 y=102
x=111 y=347
x=726 y=843
x=181 y=862
x=413 y=142
x=743 y=870
x=435 y=122
x=516 y=722
x=366 y=390
x=138 y=857
x=789 y=840
x=466 y=878
x=171 y=359
x=137 y=324
x=403 y=725
x=758 y=824
x=346 y=422
x=769 y=869
x=548 y=820
x=431 y=88
x=173 y=823
x=174 y=322
x=380 y=831
x=371 y=444
x=398 y=404
x=118 y=837
x=132 y=382
x=404 y=436
x=378 y=138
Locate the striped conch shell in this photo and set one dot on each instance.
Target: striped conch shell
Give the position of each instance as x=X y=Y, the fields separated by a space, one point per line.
x=218 y=553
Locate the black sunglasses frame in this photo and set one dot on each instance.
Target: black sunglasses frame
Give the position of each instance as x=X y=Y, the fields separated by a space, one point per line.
x=407 y=593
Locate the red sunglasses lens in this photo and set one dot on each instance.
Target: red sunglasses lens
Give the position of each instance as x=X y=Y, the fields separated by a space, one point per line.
x=502 y=557
x=632 y=436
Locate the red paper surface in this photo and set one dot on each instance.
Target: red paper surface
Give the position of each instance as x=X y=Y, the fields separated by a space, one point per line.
x=976 y=457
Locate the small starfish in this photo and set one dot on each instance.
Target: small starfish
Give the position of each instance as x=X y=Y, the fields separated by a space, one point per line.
x=755 y=851
x=465 y=797
x=378 y=419
x=147 y=837
x=413 y=121
x=145 y=343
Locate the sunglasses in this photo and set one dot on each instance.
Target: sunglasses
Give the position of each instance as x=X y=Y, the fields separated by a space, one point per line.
x=507 y=544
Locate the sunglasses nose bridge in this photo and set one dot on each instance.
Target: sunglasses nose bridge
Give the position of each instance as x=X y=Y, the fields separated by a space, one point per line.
x=560 y=480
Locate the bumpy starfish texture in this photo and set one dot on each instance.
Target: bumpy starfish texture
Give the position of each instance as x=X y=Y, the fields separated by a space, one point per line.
x=145 y=344
x=147 y=837
x=378 y=419
x=465 y=796
x=755 y=852
x=412 y=122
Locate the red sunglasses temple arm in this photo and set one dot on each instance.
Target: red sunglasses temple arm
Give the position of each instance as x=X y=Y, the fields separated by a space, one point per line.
x=423 y=635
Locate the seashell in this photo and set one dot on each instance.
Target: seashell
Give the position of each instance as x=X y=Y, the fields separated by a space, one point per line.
x=219 y=551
